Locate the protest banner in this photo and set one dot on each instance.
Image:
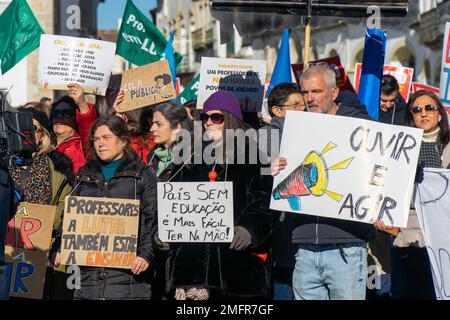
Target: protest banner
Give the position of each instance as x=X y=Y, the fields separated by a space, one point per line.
x=403 y=75
x=445 y=71
x=346 y=168
x=244 y=78
x=418 y=86
x=27 y=244
x=198 y=212
x=100 y=232
x=432 y=202
x=342 y=80
x=139 y=41
x=146 y=85
x=64 y=60
x=190 y=92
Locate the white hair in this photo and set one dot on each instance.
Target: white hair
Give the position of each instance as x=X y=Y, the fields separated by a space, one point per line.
x=328 y=74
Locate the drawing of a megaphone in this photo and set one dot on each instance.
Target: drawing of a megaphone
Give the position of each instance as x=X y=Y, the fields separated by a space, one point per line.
x=309 y=178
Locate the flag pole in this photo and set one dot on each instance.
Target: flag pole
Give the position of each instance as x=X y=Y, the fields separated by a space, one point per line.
x=307 y=33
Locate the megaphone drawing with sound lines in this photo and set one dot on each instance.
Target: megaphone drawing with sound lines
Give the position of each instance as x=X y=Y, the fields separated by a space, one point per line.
x=309 y=178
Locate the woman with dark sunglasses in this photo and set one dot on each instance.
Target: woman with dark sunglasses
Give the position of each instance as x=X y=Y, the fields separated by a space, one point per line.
x=424 y=111
x=72 y=118
x=201 y=271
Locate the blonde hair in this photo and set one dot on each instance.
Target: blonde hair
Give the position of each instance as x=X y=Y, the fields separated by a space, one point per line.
x=45 y=145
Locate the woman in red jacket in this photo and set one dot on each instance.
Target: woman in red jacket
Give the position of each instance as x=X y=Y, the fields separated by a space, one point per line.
x=72 y=118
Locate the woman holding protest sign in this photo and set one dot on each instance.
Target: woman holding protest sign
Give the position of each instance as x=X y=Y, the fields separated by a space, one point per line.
x=201 y=271
x=115 y=171
x=139 y=127
x=413 y=279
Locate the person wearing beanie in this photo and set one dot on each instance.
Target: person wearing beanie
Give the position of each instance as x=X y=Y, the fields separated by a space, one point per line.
x=200 y=271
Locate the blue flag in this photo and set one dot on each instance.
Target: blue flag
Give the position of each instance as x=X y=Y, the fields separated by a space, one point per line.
x=372 y=71
x=282 y=70
x=170 y=56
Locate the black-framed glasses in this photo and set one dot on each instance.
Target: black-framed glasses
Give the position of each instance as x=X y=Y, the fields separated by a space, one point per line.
x=293 y=105
x=429 y=108
x=216 y=118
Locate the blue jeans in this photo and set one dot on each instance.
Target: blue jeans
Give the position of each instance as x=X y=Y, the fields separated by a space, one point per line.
x=330 y=272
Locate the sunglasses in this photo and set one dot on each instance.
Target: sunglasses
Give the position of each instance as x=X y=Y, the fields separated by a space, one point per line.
x=216 y=118
x=429 y=108
x=36 y=128
x=63 y=113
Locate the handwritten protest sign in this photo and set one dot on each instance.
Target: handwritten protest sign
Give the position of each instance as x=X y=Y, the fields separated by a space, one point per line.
x=244 y=78
x=100 y=232
x=342 y=80
x=346 y=168
x=146 y=85
x=445 y=73
x=64 y=60
x=403 y=75
x=27 y=244
x=195 y=212
x=432 y=203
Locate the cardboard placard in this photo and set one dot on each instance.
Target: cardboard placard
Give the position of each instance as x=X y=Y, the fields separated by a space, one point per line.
x=27 y=245
x=100 y=232
x=147 y=85
x=350 y=169
x=244 y=78
x=403 y=75
x=198 y=212
x=64 y=60
x=342 y=80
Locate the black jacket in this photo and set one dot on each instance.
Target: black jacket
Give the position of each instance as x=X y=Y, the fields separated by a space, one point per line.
x=395 y=115
x=283 y=250
x=320 y=230
x=227 y=272
x=133 y=180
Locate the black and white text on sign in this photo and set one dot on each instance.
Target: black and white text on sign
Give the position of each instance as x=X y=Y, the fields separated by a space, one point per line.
x=195 y=212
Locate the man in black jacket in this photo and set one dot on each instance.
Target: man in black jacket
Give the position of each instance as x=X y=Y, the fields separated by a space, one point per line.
x=392 y=105
x=331 y=261
x=7 y=210
x=284 y=96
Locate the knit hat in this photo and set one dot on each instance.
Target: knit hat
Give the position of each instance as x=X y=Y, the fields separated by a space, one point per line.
x=225 y=101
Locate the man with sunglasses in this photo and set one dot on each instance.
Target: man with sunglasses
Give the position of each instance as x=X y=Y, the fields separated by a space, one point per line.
x=392 y=105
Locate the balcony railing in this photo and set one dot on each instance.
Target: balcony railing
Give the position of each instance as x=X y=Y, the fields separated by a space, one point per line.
x=432 y=24
x=202 y=38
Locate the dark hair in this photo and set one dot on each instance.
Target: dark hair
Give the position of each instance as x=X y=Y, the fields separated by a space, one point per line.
x=175 y=115
x=165 y=78
x=389 y=84
x=443 y=124
x=45 y=99
x=192 y=106
x=67 y=100
x=118 y=127
x=280 y=93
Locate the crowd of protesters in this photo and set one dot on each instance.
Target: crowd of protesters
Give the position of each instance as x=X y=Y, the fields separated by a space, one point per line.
x=93 y=151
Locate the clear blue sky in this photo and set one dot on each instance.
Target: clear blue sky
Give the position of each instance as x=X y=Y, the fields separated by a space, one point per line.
x=110 y=11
